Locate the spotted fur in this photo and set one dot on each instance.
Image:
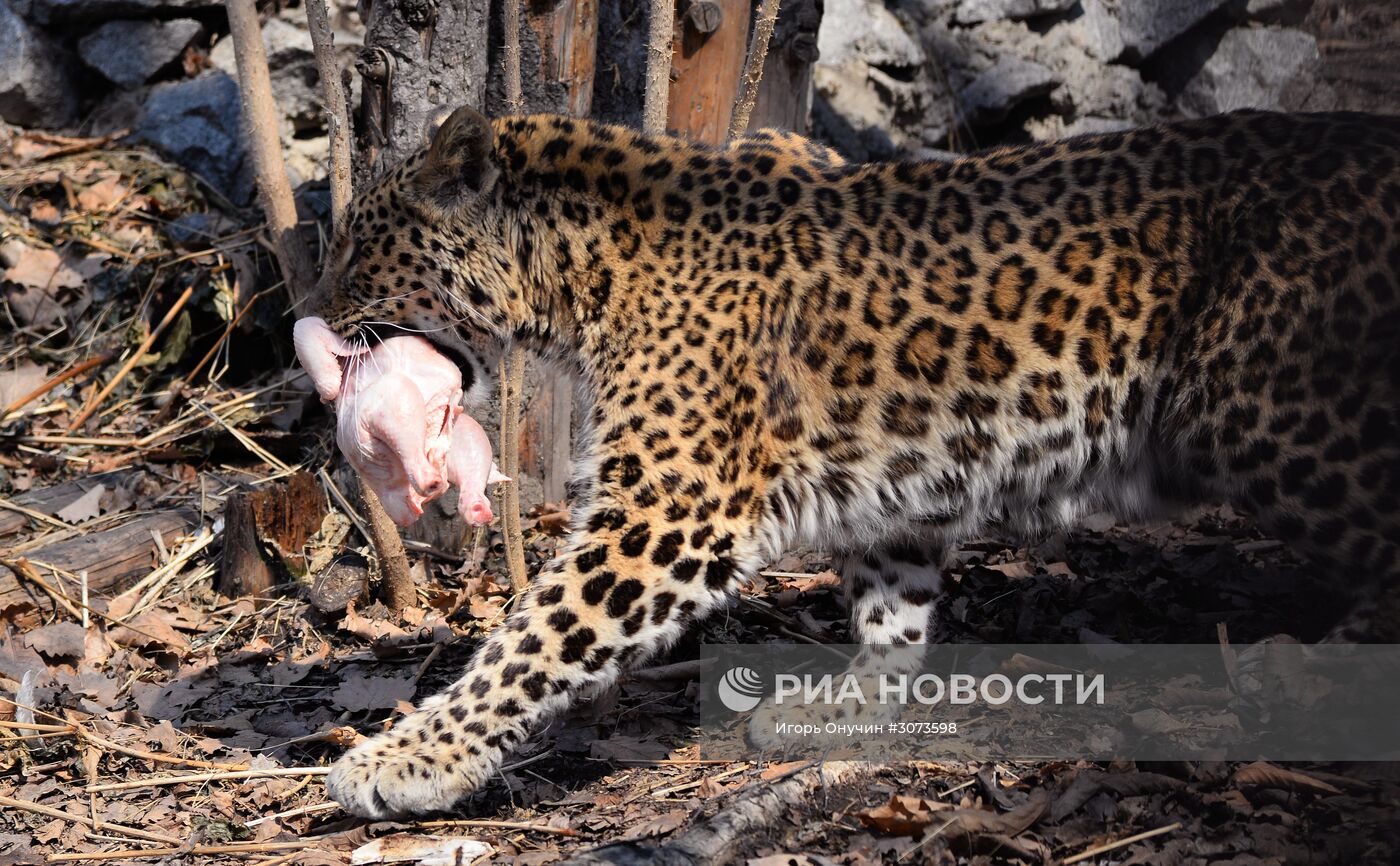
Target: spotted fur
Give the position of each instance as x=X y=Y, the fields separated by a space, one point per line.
x=884 y=360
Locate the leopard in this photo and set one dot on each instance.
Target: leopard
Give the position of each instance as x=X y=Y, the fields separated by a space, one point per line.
x=777 y=348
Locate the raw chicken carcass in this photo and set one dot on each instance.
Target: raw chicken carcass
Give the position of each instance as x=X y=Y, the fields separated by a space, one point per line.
x=399 y=422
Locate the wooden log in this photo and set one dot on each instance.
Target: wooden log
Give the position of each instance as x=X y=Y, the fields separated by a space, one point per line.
x=113 y=558
x=279 y=516
x=51 y=500
x=709 y=59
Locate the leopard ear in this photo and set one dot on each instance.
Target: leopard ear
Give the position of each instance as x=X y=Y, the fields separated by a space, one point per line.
x=460 y=163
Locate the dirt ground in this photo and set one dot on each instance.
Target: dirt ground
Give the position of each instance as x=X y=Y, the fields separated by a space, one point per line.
x=215 y=714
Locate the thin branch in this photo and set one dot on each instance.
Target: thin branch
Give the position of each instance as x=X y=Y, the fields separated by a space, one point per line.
x=510 y=53
x=51 y=812
x=259 y=112
x=764 y=19
x=658 y=82
x=513 y=364
x=337 y=115
x=512 y=383
x=399 y=590
x=159 y=781
x=96 y=402
x=1111 y=846
x=235 y=848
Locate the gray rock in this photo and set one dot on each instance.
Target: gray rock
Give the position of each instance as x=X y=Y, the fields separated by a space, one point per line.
x=35 y=86
x=1096 y=31
x=82 y=11
x=1008 y=83
x=874 y=94
x=1147 y=25
x=1278 y=11
x=129 y=53
x=867 y=31
x=975 y=11
x=196 y=124
x=1254 y=68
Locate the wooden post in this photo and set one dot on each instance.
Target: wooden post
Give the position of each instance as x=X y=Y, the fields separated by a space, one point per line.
x=785 y=94
x=709 y=59
x=567 y=34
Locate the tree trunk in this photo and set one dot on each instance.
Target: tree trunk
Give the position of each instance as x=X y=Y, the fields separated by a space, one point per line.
x=421 y=60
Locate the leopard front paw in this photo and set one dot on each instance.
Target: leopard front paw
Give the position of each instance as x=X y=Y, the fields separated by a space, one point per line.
x=398 y=774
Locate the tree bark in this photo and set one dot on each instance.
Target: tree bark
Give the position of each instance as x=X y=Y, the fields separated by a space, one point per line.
x=337 y=109
x=764 y=19
x=659 y=50
x=421 y=60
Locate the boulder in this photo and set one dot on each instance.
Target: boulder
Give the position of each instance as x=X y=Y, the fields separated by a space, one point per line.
x=1095 y=31
x=48 y=12
x=1146 y=25
x=976 y=11
x=1278 y=11
x=1008 y=83
x=196 y=124
x=1255 y=68
x=130 y=53
x=874 y=94
x=36 y=88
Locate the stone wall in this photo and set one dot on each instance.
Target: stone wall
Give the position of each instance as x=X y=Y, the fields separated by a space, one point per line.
x=919 y=76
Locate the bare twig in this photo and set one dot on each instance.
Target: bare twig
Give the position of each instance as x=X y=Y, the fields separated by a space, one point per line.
x=34 y=515
x=71 y=373
x=512 y=383
x=237 y=848
x=255 y=88
x=764 y=18
x=1128 y=840
x=226 y=775
x=103 y=743
x=131 y=362
x=510 y=53
x=513 y=364
x=658 y=89
x=337 y=117
x=51 y=812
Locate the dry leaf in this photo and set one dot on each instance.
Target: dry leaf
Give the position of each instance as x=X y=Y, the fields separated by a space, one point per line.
x=58 y=640
x=1262 y=774
x=902 y=816
x=422 y=850
x=19 y=381
x=104 y=195
x=150 y=628
x=38 y=268
x=85 y=507
x=373 y=693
